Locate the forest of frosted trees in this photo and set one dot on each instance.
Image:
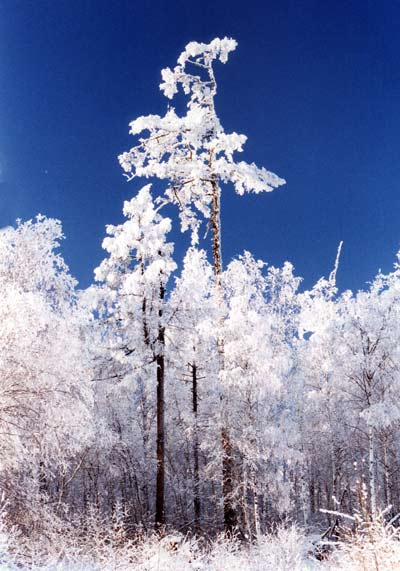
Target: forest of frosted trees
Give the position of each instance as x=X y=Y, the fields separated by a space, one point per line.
x=189 y=394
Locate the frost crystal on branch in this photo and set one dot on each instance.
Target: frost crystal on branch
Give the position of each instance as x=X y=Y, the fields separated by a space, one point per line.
x=193 y=153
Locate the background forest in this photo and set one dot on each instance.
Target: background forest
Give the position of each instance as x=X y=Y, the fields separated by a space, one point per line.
x=188 y=394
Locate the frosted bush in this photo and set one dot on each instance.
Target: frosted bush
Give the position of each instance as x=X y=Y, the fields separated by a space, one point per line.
x=171 y=553
x=285 y=550
x=226 y=554
x=8 y=538
x=374 y=546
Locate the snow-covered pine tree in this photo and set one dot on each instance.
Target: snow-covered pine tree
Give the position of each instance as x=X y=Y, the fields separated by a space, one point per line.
x=194 y=155
x=135 y=275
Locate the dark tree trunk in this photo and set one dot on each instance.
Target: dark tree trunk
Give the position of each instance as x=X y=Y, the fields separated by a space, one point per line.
x=196 y=476
x=43 y=483
x=230 y=516
x=160 y=362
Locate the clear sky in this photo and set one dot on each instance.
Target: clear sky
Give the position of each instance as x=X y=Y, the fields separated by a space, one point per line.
x=314 y=85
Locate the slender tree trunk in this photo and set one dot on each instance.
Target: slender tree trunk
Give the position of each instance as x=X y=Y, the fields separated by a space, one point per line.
x=146 y=428
x=160 y=361
x=305 y=500
x=145 y=485
x=256 y=507
x=146 y=333
x=196 y=476
x=230 y=516
x=43 y=483
x=216 y=229
x=246 y=518
x=371 y=470
x=388 y=495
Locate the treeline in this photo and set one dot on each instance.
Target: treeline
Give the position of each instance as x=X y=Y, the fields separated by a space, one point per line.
x=308 y=391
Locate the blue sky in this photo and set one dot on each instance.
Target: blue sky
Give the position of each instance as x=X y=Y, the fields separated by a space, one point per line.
x=314 y=85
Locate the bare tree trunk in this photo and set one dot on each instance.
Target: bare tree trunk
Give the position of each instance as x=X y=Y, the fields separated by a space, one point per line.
x=145 y=485
x=196 y=475
x=160 y=361
x=146 y=428
x=246 y=518
x=304 y=495
x=230 y=516
x=256 y=507
x=312 y=492
x=371 y=469
x=216 y=229
x=43 y=482
x=388 y=494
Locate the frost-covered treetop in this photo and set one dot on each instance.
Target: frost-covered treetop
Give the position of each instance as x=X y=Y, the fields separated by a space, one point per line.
x=193 y=153
x=216 y=49
x=30 y=262
x=139 y=242
x=201 y=55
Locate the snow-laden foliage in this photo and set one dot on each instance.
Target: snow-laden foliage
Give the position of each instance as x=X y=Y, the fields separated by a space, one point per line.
x=45 y=414
x=29 y=261
x=139 y=263
x=192 y=153
x=350 y=364
x=257 y=363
